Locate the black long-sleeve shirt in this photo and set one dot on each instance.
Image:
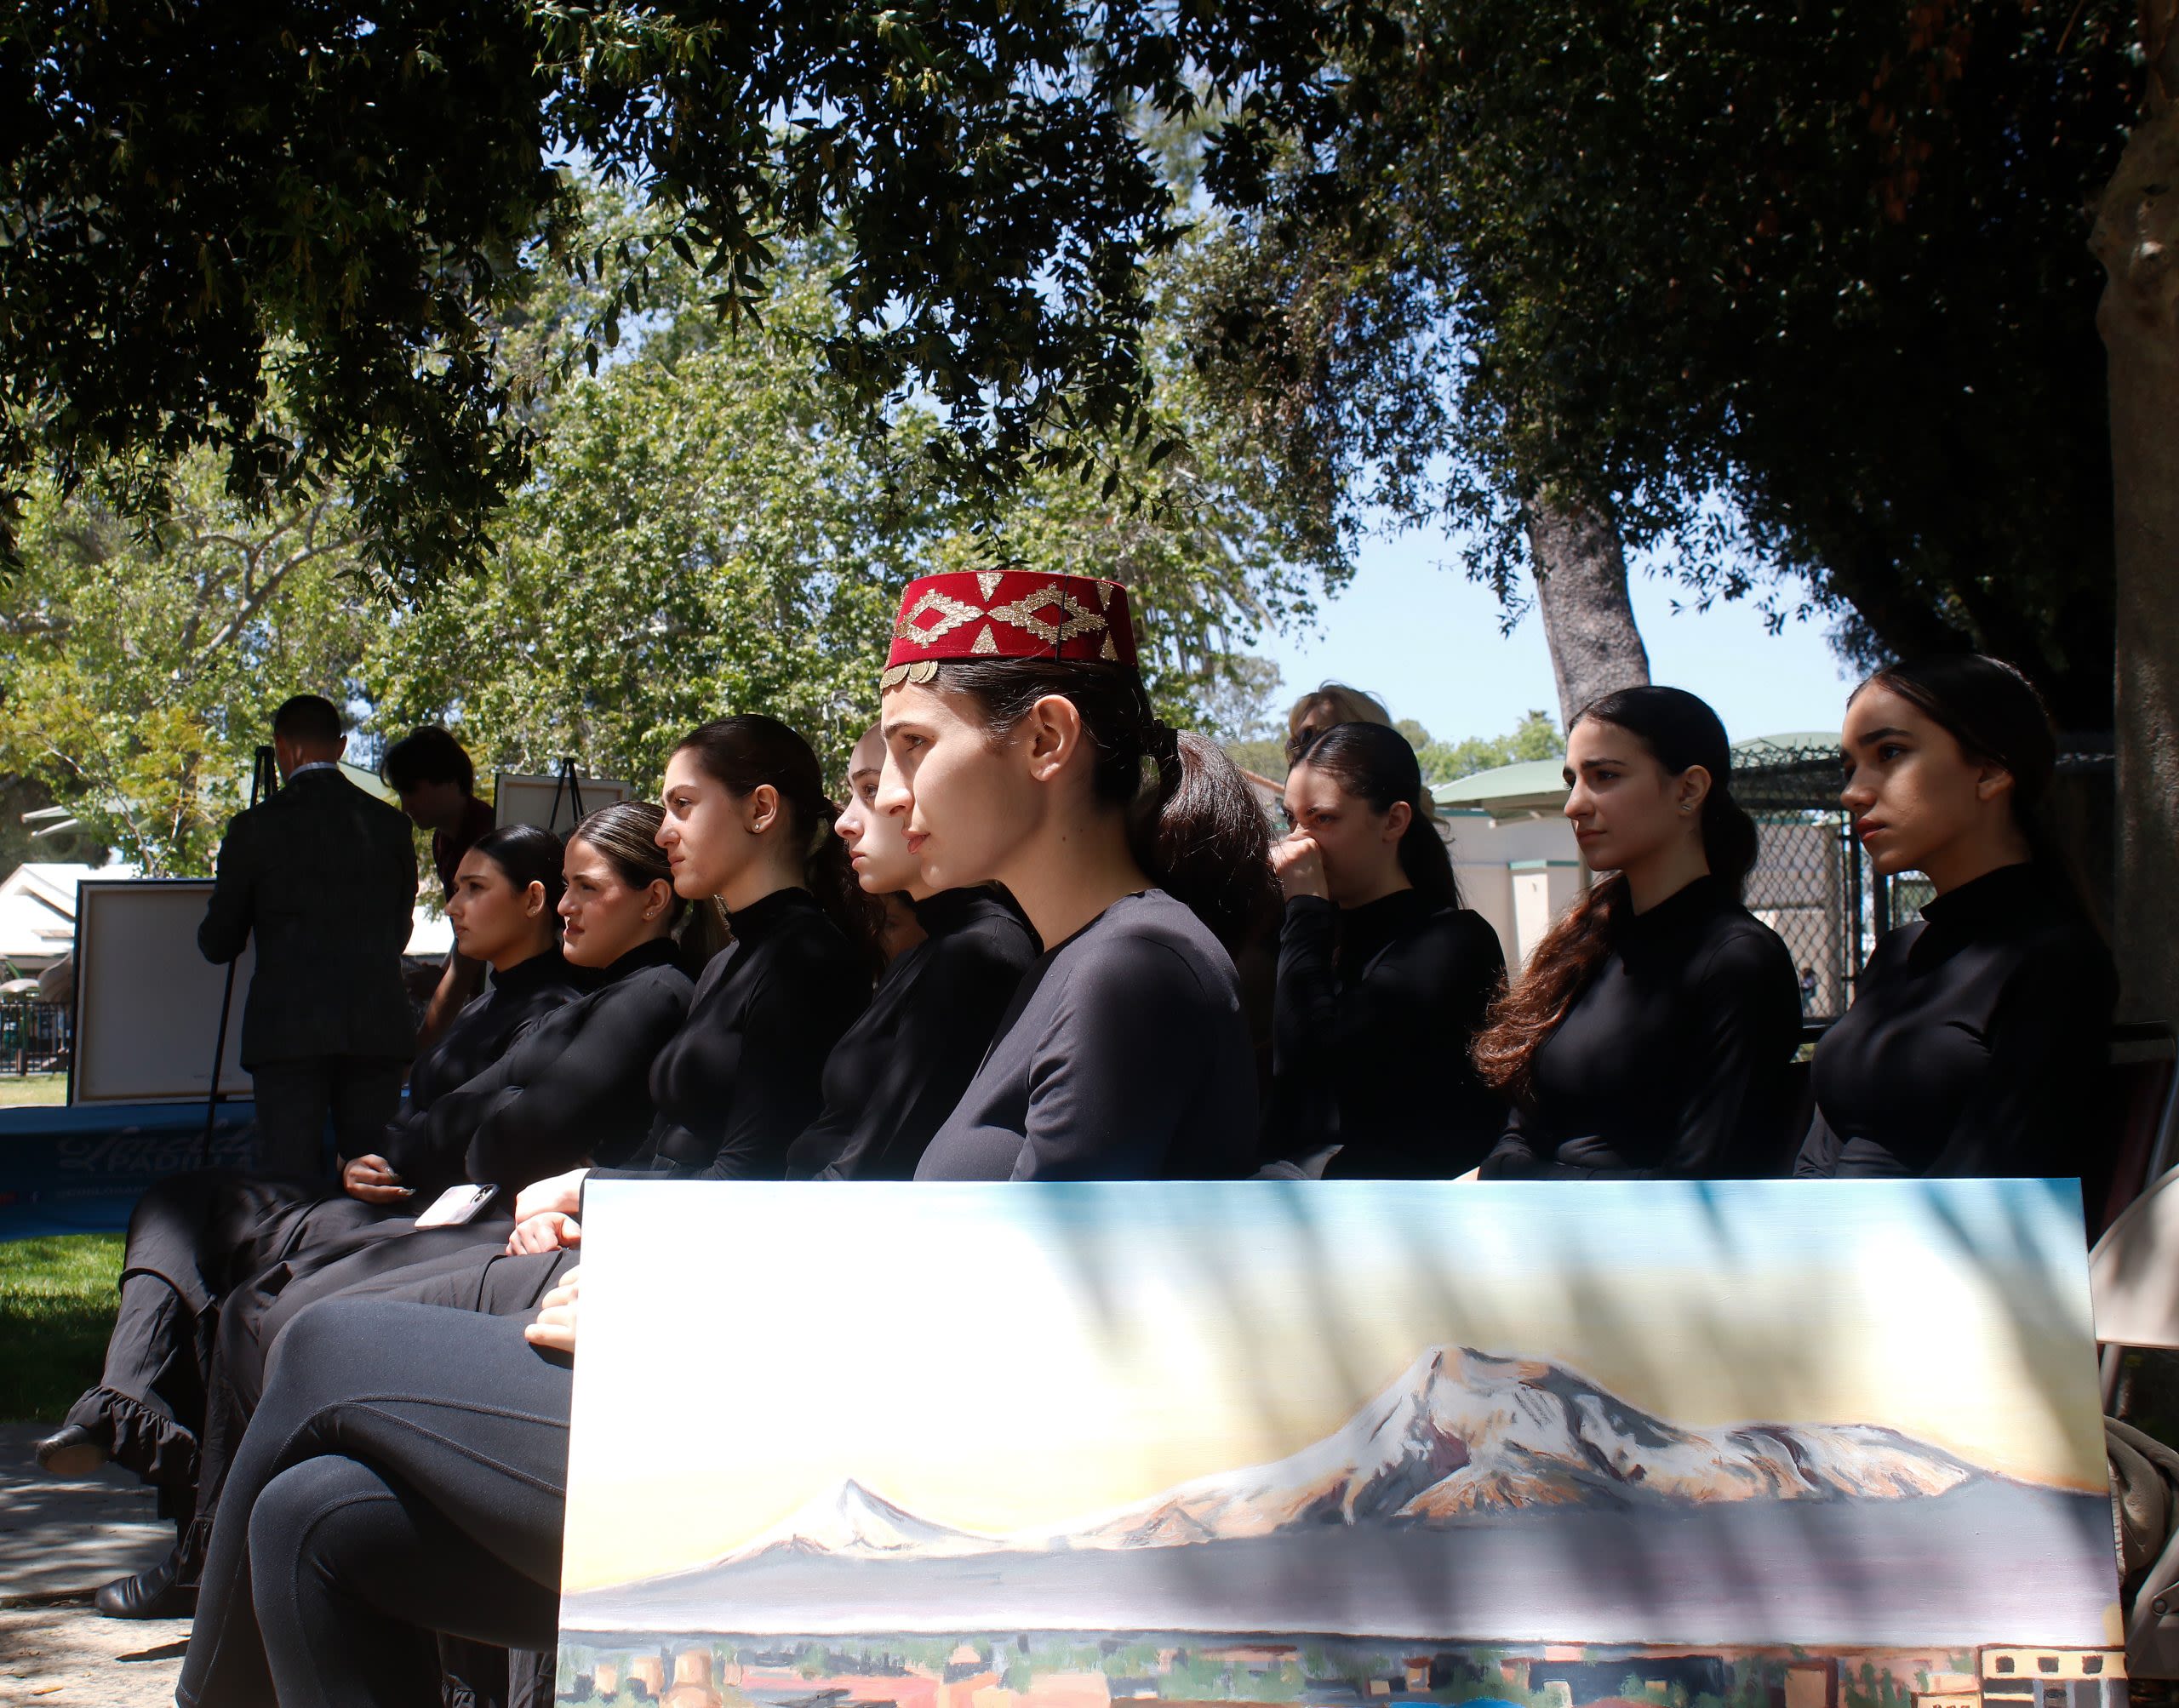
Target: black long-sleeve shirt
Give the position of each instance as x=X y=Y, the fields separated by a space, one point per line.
x=1376 y=1008
x=1672 y=1061
x=484 y=1032
x=742 y=1077
x=574 y=1086
x=1974 y=1036
x=1124 y=1056
x=900 y=1068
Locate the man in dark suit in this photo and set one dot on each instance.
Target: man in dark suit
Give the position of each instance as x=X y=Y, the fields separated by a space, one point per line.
x=323 y=876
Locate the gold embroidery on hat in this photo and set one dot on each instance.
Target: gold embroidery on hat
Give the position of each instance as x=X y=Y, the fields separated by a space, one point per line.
x=985 y=643
x=1108 y=654
x=1104 y=595
x=951 y=613
x=1077 y=618
x=988 y=580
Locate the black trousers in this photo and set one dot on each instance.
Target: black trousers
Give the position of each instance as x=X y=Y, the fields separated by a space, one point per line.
x=405 y=1473
x=193 y=1239
x=375 y=1262
x=358 y=1094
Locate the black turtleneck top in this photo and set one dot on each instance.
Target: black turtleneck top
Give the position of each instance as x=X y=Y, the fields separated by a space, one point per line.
x=1673 y=1062
x=572 y=1087
x=1375 y=1010
x=1122 y=1056
x=900 y=1068
x=484 y=1032
x=1975 y=1038
x=741 y=1078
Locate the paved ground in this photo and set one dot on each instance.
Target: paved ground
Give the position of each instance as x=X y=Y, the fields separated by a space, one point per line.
x=58 y=1541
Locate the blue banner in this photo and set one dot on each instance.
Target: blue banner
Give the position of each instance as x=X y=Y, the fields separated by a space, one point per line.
x=79 y=1170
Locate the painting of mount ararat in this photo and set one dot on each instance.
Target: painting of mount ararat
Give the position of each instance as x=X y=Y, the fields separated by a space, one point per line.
x=1816 y=1414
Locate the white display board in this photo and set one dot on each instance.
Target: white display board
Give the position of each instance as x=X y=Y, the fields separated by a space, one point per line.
x=546 y=803
x=148 y=1001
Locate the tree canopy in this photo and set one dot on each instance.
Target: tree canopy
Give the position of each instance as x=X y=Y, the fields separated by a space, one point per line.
x=698 y=536
x=1791 y=292
x=292 y=233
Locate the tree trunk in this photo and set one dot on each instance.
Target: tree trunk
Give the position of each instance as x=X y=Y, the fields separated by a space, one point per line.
x=1581 y=593
x=2137 y=237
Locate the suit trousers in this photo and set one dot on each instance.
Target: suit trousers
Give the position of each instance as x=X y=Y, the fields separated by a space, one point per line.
x=360 y=1094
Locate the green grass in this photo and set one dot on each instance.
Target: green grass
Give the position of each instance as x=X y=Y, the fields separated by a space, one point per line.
x=44 y=1090
x=57 y=1302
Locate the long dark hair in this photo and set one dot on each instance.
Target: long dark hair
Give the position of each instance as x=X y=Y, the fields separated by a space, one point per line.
x=528 y=854
x=1374 y=763
x=1998 y=718
x=1679 y=731
x=747 y=750
x=1195 y=829
x=627 y=833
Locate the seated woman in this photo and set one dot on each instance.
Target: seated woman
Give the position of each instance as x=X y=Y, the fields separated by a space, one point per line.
x=366 y=1527
x=893 y=1076
x=899 y=1069
x=193 y=1236
x=1015 y=751
x=1382 y=975
x=1327 y=704
x=573 y=1085
x=746 y=826
x=1651 y=1032
x=1978 y=1033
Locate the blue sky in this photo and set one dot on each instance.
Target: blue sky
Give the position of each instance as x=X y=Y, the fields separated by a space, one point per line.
x=1413 y=630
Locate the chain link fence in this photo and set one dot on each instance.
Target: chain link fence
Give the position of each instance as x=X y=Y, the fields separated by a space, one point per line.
x=1812 y=883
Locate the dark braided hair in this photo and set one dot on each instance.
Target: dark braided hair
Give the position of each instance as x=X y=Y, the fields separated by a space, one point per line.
x=1195 y=828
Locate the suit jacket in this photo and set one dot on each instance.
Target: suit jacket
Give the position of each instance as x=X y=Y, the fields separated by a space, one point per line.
x=324 y=875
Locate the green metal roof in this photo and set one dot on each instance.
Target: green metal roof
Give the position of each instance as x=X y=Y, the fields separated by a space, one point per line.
x=1538 y=785
x=1534 y=784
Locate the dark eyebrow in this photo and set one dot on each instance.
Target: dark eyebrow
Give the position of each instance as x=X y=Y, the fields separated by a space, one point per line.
x=1878 y=735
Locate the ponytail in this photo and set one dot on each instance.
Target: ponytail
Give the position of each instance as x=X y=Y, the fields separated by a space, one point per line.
x=1376 y=763
x=1195 y=829
x=1996 y=716
x=1201 y=836
x=1680 y=732
x=749 y=750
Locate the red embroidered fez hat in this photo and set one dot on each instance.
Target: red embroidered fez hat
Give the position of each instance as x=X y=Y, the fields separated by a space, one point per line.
x=1007 y=614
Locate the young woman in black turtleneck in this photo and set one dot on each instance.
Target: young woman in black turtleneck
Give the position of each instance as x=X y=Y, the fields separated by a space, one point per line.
x=194 y=1238
x=1650 y=1033
x=1380 y=971
x=747 y=827
x=1977 y=1034
x=900 y=1068
x=1125 y=1055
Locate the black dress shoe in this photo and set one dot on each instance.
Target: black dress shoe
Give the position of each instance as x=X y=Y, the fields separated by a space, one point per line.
x=152 y=1593
x=69 y=1452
